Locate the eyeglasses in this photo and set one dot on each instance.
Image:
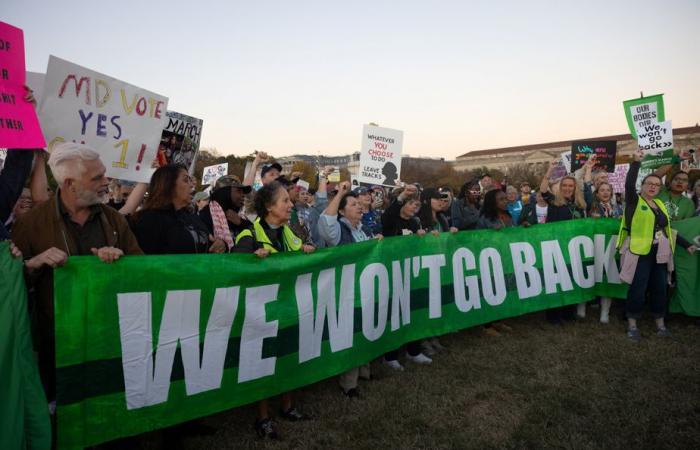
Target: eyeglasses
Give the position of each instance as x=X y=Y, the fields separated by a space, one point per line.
x=653 y=184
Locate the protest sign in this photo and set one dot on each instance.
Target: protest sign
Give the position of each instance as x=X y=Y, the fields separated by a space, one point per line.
x=122 y=122
x=566 y=161
x=257 y=182
x=656 y=141
x=179 y=142
x=617 y=178
x=380 y=157
x=303 y=185
x=35 y=81
x=559 y=171
x=19 y=125
x=641 y=112
x=604 y=152
x=163 y=348
x=212 y=173
x=334 y=177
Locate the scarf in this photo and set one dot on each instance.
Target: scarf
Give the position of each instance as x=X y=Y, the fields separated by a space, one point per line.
x=221 y=229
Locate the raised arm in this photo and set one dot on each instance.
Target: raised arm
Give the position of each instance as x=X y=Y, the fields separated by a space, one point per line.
x=260 y=157
x=38 y=183
x=544 y=185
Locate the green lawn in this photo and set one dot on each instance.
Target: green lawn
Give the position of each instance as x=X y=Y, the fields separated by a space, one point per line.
x=580 y=386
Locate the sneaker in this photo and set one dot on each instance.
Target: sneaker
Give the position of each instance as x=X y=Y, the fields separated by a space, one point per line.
x=490 y=332
x=419 y=359
x=294 y=415
x=437 y=346
x=265 y=429
x=427 y=348
x=663 y=332
x=581 y=311
x=351 y=393
x=394 y=364
x=604 y=317
x=634 y=335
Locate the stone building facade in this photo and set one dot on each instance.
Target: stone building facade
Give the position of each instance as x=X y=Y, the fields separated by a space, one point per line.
x=538 y=155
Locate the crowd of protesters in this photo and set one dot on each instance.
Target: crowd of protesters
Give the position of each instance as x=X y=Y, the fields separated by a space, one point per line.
x=88 y=214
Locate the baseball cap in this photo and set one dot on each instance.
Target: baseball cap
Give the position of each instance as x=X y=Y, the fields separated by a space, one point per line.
x=200 y=196
x=267 y=167
x=360 y=190
x=229 y=180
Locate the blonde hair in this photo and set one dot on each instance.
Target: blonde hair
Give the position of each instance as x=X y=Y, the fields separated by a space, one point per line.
x=559 y=199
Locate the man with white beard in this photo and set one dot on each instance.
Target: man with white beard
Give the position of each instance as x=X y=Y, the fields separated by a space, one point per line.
x=74 y=222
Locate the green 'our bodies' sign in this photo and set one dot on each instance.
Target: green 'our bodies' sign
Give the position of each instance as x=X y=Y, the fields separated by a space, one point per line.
x=149 y=342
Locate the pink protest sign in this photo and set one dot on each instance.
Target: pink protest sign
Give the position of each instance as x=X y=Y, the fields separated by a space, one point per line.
x=617 y=178
x=19 y=125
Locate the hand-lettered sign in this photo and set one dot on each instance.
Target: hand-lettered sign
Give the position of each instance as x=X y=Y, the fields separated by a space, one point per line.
x=644 y=111
x=618 y=177
x=380 y=158
x=19 y=125
x=120 y=121
x=212 y=173
x=656 y=141
x=604 y=152
x=179 y=143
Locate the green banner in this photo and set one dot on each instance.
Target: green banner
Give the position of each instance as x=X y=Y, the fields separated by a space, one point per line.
x=644 y=111
x=152 y=341
x=24 y=412
x=686 y=296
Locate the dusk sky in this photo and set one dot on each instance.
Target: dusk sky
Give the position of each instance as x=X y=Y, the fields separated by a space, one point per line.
x=303 y=77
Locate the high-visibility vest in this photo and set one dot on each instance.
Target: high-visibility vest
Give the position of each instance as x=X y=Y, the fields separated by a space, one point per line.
x=641 y=230
x=290 y=241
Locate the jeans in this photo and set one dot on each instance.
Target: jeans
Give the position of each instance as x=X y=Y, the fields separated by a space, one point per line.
x=651 y=277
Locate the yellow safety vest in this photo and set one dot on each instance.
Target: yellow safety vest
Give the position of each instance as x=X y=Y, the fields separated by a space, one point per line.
x=291 y=242
x=641 y=231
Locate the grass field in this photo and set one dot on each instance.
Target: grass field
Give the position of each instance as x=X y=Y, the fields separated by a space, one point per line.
x=578 y=386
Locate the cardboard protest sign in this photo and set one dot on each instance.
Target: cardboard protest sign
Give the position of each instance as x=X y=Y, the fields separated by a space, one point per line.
x=380 y=157
x=559 y=171
x=35 y=81
x=617 y=178
x=179 y=142
x=566 y=161
x=212 y=173
x=604 y=152
x=19 y=125
x=334 y=177
x=641 y=112
x=656 y=141
x=120 y=121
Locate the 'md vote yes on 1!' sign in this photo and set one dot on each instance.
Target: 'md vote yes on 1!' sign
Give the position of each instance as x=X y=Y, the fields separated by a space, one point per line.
x=380 y=158
x=604 y=152
x=120 y=121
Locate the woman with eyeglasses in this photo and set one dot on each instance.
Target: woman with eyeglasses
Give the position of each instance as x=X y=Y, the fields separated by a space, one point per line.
x=566 y=203
x=646 y=249
x=271 y=234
